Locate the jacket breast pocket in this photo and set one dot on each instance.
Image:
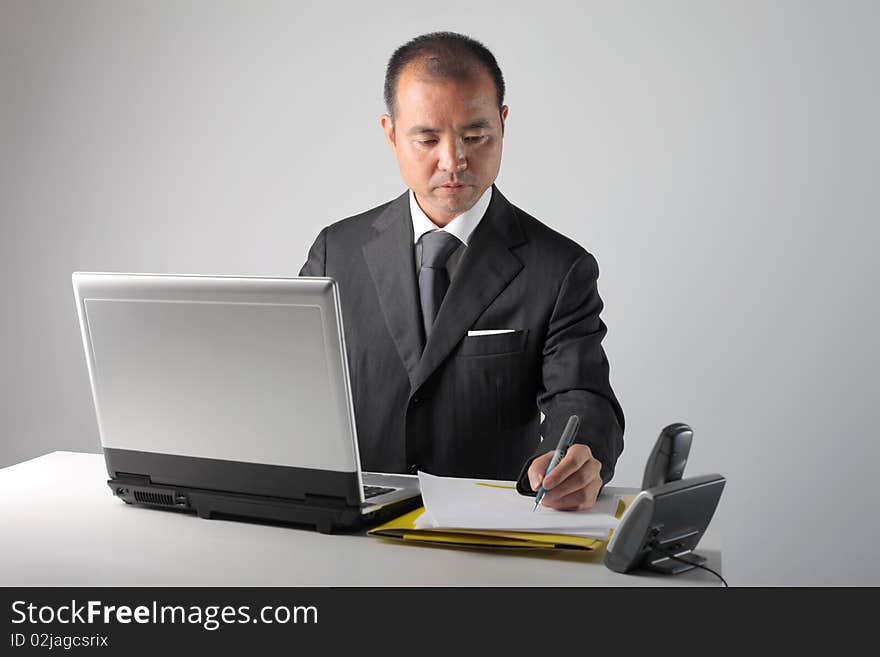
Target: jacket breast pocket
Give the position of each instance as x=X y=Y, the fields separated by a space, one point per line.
x=494 y=345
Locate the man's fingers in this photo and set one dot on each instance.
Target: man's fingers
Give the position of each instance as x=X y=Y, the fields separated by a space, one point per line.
x=580 y=500
x=575 y=457
x=537 y=469
x=577 y=480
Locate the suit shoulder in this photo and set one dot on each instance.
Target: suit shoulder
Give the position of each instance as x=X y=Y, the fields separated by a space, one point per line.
x=549 y=243
x=358 y=223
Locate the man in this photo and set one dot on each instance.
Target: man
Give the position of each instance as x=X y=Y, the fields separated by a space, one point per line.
x=464 y=316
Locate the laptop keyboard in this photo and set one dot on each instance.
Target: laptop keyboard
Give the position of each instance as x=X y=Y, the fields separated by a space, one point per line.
x=373 y=491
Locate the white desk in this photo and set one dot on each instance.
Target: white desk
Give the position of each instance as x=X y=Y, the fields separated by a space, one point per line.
x=61 y=526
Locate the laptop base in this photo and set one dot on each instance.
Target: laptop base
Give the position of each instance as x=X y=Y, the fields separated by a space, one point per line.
x=325 y=514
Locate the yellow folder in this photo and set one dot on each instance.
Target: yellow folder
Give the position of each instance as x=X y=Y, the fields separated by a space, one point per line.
x=404 y=528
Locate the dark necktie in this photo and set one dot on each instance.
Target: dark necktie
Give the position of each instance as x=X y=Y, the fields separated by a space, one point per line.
x=437 y=246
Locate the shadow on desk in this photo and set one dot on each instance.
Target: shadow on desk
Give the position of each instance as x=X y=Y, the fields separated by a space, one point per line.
x=592 y=557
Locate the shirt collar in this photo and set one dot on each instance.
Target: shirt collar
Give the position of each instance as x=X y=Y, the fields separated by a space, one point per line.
x=461 y=226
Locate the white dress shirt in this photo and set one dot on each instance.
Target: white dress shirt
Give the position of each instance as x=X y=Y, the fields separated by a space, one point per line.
x=461 y=226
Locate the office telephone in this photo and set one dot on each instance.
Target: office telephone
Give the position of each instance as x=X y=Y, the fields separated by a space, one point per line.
x=664 y=524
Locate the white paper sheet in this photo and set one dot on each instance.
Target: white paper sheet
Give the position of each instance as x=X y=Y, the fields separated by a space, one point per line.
x=458 y=503
x=426 y=521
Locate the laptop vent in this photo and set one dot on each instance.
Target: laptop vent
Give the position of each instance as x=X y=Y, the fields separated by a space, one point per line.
x=145 y=497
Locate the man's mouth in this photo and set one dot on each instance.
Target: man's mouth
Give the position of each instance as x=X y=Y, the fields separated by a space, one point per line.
x=453 y=188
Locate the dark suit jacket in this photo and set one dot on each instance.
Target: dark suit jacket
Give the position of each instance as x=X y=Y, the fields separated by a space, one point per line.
x=469 y=406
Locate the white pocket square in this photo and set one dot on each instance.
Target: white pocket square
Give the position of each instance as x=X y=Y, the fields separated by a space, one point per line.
x=489 y=332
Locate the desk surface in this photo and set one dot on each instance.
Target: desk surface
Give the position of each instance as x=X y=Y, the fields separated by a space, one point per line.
x=63 y=527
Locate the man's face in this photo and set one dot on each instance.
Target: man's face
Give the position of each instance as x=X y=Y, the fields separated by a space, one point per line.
x=446 y=136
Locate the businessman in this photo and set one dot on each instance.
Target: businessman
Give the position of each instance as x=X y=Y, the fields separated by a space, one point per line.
x=465 y=317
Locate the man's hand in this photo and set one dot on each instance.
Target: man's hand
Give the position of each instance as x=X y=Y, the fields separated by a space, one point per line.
x=574 y=483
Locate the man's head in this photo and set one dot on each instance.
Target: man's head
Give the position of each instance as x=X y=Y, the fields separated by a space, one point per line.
x=444 y=94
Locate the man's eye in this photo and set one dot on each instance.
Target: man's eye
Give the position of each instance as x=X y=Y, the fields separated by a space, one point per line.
x=428 y=142
x=475 y=139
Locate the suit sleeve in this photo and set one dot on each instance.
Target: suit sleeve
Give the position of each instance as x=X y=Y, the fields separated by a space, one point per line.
x=575 y=374
x=316 y=262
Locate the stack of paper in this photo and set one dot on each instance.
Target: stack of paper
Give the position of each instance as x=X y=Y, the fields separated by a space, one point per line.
x=453 y=503
x=490 y=513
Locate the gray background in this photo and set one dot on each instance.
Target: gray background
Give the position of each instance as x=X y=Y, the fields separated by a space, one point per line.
x=719 y=159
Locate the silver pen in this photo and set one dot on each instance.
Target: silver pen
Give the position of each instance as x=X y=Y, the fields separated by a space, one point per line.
x=565 y=442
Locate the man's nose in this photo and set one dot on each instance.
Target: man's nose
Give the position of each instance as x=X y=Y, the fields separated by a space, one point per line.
x=452 y=157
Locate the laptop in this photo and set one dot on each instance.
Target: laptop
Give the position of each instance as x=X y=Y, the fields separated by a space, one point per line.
x=230 y=397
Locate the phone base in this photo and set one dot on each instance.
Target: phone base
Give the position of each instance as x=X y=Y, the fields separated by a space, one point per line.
x=669 y=566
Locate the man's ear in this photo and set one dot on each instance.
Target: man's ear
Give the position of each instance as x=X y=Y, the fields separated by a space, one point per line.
x=504 y=110
x=388 y=126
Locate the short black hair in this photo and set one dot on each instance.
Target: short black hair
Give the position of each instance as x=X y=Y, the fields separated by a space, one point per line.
x=444 y=55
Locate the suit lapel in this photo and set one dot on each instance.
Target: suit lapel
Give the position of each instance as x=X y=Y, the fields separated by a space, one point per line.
x=486 y=268
x=390 y=259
